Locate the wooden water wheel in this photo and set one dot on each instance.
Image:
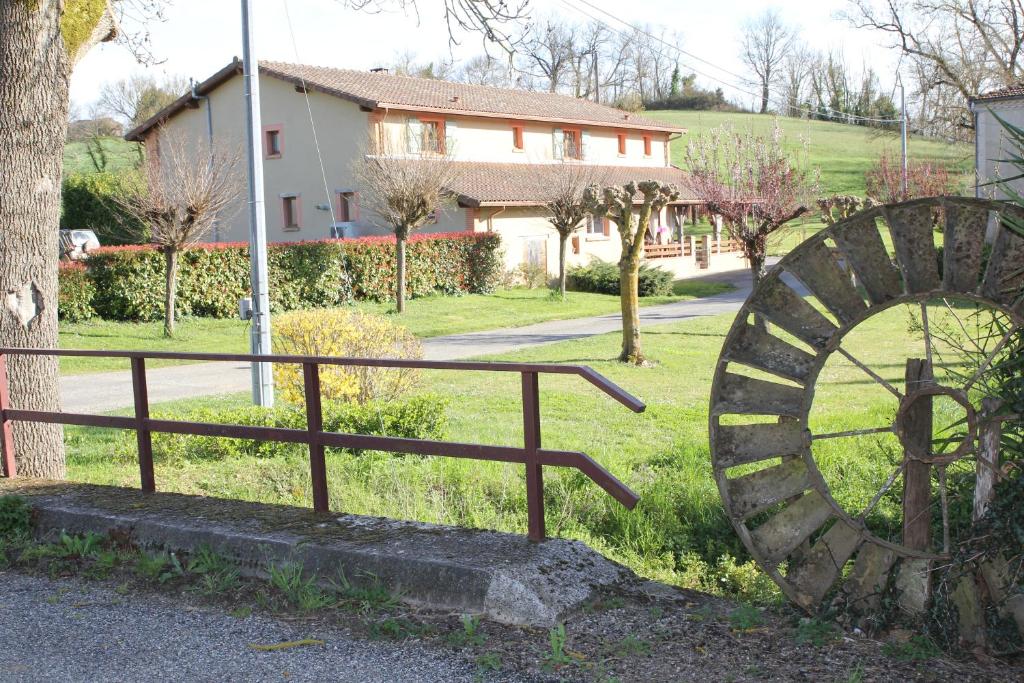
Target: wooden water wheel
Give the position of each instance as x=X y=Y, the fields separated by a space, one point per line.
x=834 y=437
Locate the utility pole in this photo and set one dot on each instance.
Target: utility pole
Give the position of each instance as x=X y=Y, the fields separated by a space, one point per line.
x=903 y=129
x=259 y=339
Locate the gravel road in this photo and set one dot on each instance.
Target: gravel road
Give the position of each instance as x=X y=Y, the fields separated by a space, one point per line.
x=70 y=630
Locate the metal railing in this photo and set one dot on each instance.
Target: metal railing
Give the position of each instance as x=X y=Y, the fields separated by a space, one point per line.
x=531 y=454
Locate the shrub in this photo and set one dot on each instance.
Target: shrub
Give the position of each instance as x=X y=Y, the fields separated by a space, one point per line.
x=347 y=333
x=15 y=517
x=884 y=180
x=603 y=278
x=419 y=417
x=87 y=202
x=74 y=293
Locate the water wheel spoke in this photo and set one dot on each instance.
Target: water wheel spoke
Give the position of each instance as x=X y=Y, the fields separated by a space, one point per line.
x=882 y=491
x=927 y=334
x=963 y=328
x=852 y=432
x=944 y=498
x=983 y=368
x=870 y=373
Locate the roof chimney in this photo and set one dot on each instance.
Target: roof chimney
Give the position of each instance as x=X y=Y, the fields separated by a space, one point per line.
x=379 y=70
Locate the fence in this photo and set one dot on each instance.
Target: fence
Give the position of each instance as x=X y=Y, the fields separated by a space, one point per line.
x=531 y=454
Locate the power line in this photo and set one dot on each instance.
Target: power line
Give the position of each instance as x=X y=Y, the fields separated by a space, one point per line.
x=829 y=112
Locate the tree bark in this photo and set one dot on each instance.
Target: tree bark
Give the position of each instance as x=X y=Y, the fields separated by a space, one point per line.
x=563 y=240
x=757 y=256
x=764 y=97
x=629 y=298
x=170 y=288
x=34 y=70
x=400 y=275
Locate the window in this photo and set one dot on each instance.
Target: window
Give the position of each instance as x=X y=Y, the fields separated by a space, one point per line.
x=597 y=225
x=291 y=212
x=622 y=144
x=572 y=144
x=432 y=139
x=517 y=138
x=348 y=207
x=647 y=145
x=272 y=142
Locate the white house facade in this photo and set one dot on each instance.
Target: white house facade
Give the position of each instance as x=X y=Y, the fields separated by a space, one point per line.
x=502 y=139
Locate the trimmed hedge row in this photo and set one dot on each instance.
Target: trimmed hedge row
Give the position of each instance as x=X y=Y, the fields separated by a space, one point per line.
x=127 y=283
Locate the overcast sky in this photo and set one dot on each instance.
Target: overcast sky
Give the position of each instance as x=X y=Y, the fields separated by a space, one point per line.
x=200 y=36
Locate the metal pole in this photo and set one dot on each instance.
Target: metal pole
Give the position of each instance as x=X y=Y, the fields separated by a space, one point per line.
x=903 y=130
x=262 y=379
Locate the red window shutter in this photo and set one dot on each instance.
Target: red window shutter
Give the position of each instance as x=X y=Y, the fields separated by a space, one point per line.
x=622 y=143
x=607 y=226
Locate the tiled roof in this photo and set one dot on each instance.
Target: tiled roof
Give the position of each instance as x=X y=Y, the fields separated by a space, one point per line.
x=383 y=90
x=1015 y=90
x=488 y=184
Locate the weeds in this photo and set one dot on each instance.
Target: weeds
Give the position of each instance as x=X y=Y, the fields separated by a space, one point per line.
x=816 y=632
x=470 y=634
x=398 y=629
x=746 y=618
x=631 y=645
x=364 y=598
x=79 y=547
x=15 y=517
x=556 y=656
x=301 y=593
x=486 y=663
x=917 y=649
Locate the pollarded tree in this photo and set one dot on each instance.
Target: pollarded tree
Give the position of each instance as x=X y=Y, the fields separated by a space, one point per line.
x=753 y=183
x=564 y=185
x=616 y=203
x=404 y=190
x=176 y=208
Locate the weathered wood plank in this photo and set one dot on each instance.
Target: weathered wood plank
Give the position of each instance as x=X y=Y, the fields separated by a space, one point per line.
x=742 y=444
x=914 y=585
x=962 y=242
x=759 y=490
x=862 y=247
x=783 y=533
x=914 y=242
x=748 y=396
x=757 y=348
x=1004 y=277
x=987 y=466
x=818 y=569
x=869 y=577
x=818 y=270
x=970 y=614
x=917 y=424
x=780 y=305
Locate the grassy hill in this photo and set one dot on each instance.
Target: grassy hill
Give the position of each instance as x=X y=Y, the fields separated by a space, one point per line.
x=120 y=153
x=842 y=152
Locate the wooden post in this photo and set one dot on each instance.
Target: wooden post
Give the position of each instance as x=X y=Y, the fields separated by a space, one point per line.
x=143 y=437
x=917 y=491
x=534 y=473
x=705 y=242
x=6 y=433
x=315 y=425
x=987 y=467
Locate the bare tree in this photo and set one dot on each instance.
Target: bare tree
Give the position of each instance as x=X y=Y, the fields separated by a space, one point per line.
x=765 y=44
x=793 y=81
x=616 y=203
x=404 y=191
x=547 y=52
x=564 y=186
x=753 y=183
x=136 y=98
x=485 y=70
x=176 y=208
x=407 y=63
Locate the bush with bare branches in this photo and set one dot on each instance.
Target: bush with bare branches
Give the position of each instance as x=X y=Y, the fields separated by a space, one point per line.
x=564 y=185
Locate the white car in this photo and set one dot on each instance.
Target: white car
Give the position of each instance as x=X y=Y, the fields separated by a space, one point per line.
x=76 y=244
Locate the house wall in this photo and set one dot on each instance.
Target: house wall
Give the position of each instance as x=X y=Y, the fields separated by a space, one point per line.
x=991 y=143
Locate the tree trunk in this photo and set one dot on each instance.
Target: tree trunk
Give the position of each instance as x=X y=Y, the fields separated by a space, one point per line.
x=170 y=288
x=34 y=71
x=400 y=275
x=764 y=97
x=757 y=257
x=562 y=243
x=629 y=297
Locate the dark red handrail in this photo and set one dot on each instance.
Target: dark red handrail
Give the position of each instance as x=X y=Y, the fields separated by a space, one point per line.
x=531 y=454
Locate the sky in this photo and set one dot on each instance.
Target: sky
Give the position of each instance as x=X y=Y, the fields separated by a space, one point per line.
x=200 y=36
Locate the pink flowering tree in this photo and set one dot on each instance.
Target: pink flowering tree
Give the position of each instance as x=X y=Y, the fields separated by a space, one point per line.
x=753 y=183
x=884 y=180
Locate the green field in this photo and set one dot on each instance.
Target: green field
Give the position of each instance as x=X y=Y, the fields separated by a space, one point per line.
x=842 y=152
x=430 y=316
x=121 y=155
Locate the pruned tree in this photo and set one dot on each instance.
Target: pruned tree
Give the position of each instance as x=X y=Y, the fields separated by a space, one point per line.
x=403 y=191
x=176 y=208
x=564 y=185
x=766 y=42
x=753 y=183
x=135 y=99
x=617 y=203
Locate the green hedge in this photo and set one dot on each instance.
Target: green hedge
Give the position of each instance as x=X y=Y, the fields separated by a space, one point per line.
x=75 y=294
x=87 y=202
x=603 y=278
x=129 y=281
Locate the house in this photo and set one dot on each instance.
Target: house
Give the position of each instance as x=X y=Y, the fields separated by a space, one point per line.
x=501 y=138
x=990 y=140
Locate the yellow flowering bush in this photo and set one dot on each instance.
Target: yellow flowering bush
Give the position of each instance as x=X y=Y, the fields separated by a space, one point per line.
x=350 y=333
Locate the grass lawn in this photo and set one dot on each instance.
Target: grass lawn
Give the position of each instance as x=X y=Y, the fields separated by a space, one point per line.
x=426 y=317
x=842 y=152
x=679 y=531
x=121 y=155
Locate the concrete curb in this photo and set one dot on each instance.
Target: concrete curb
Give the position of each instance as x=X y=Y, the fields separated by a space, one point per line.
x=503 y=576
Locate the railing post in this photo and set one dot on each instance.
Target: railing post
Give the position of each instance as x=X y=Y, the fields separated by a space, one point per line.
x=6 y=434
x=315 y=425
x=143 y=436
x=534 y=473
